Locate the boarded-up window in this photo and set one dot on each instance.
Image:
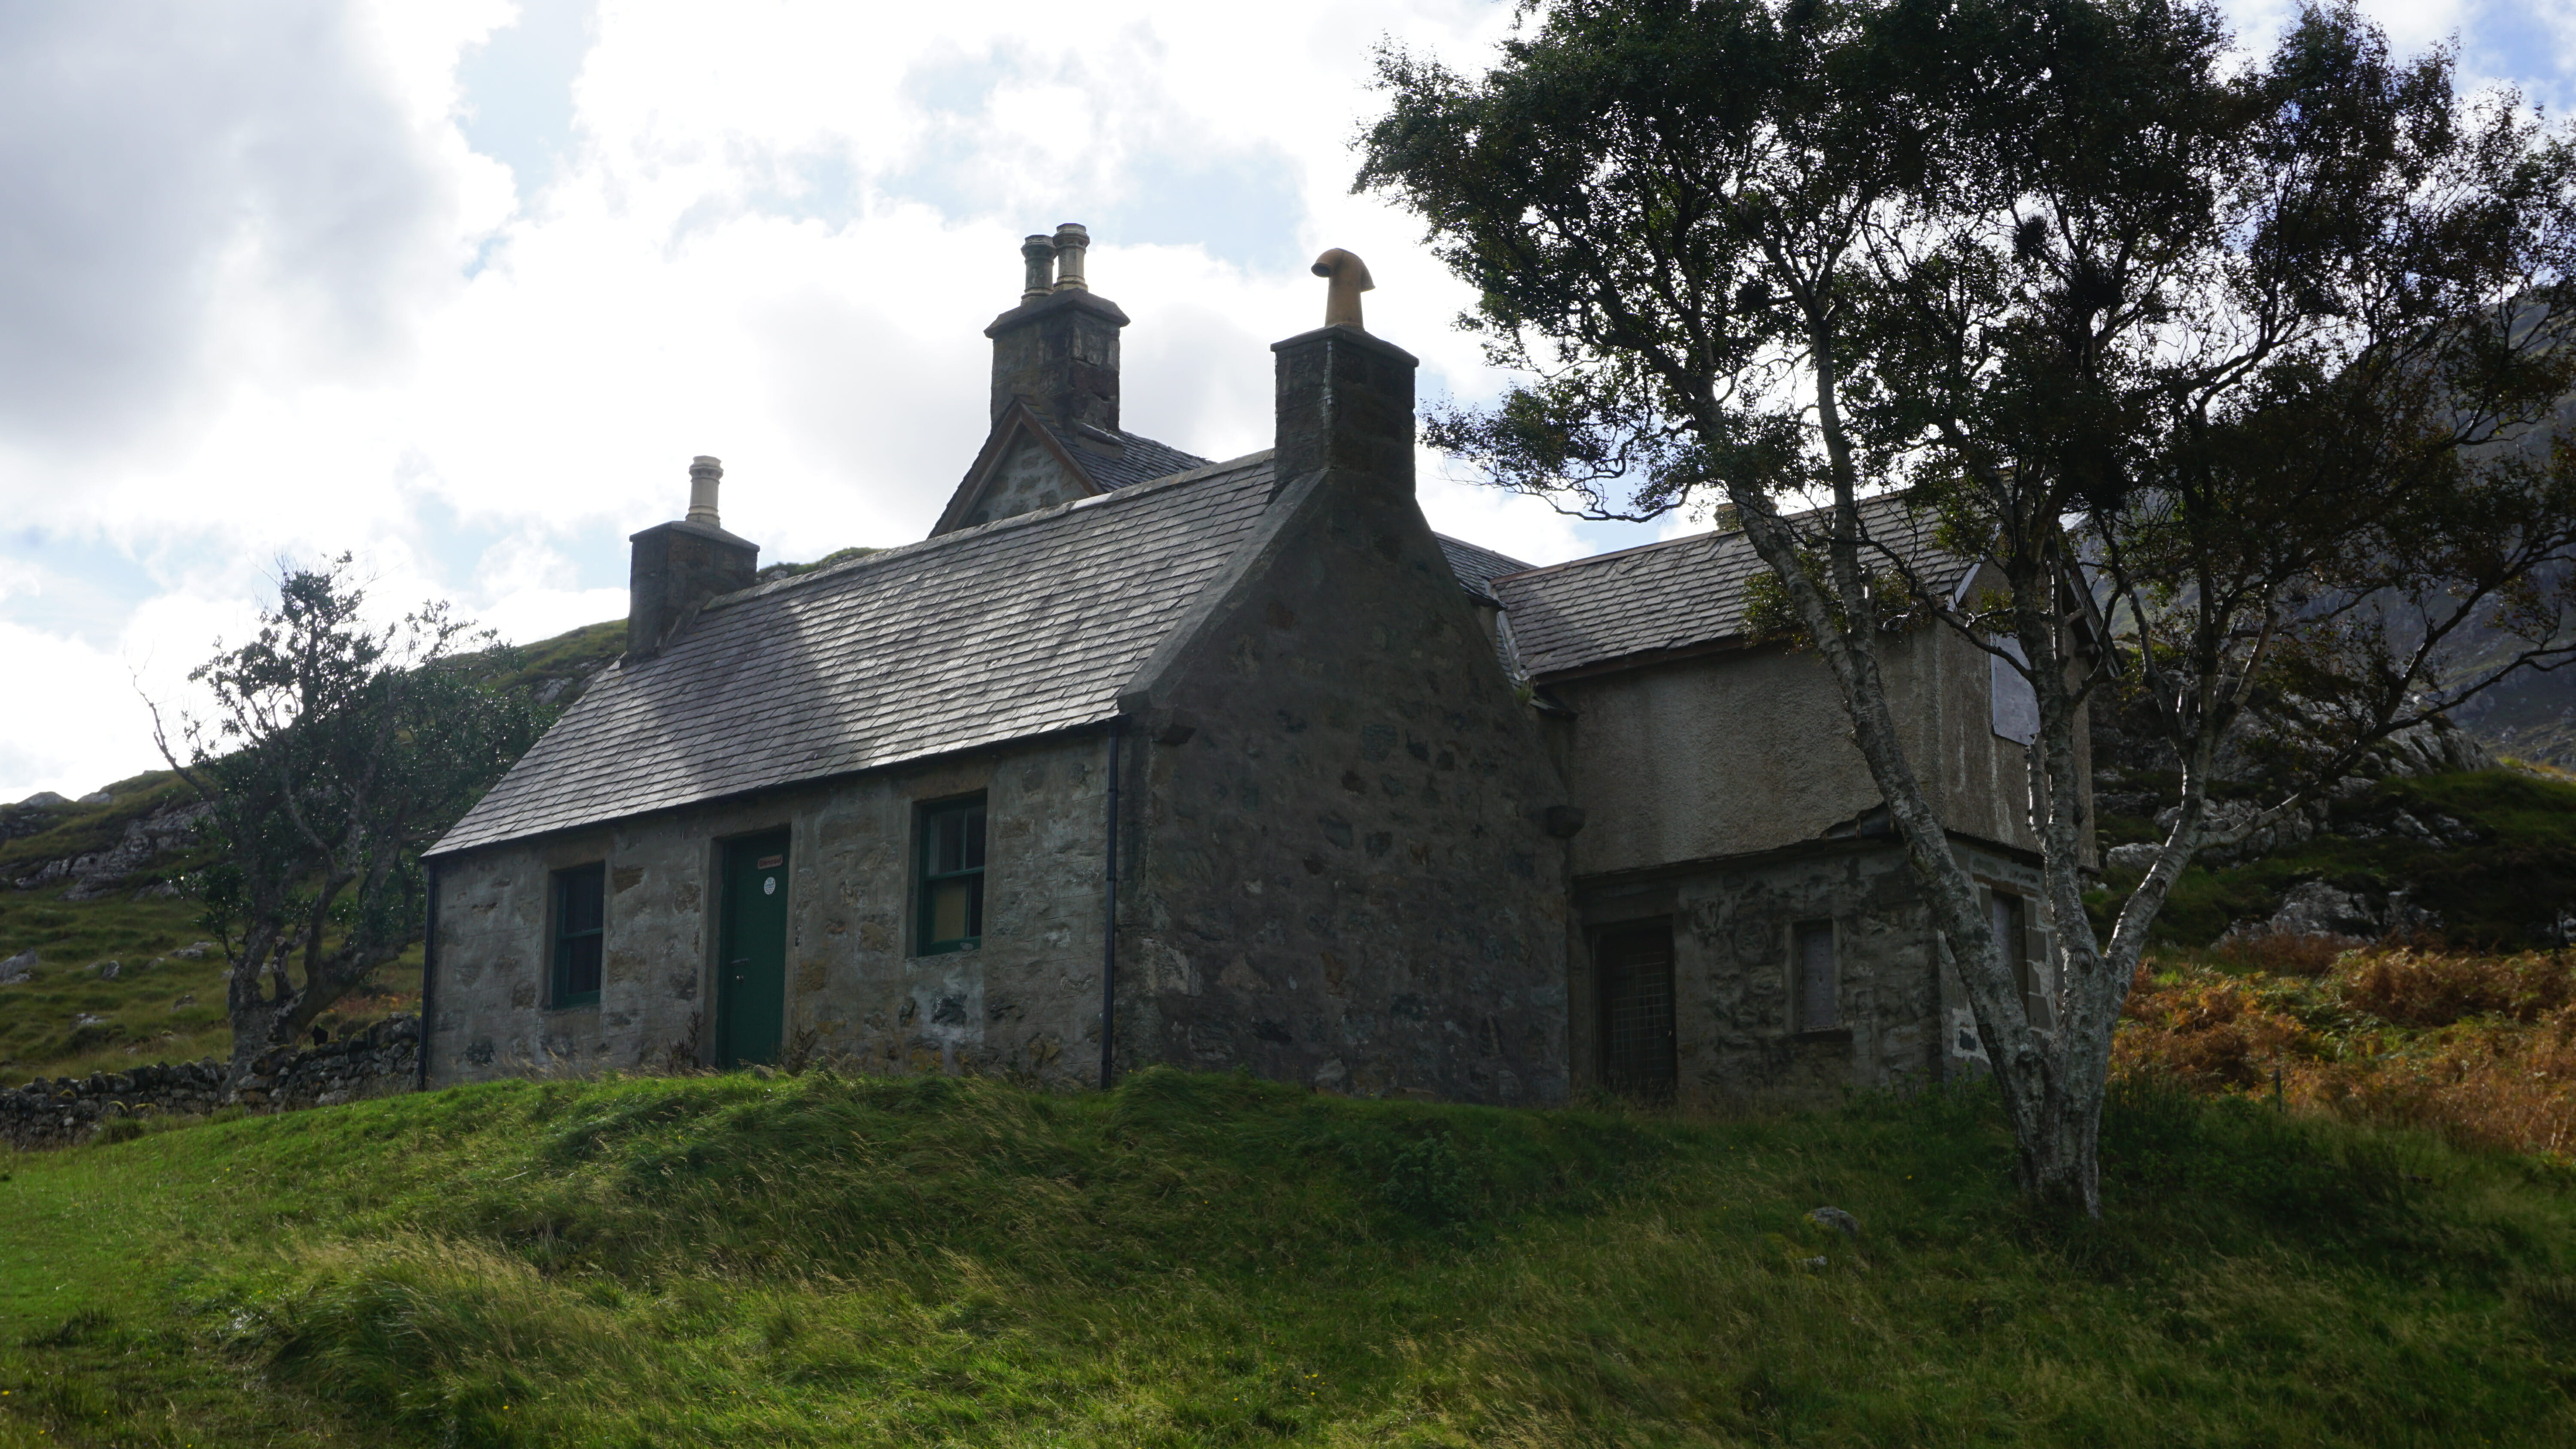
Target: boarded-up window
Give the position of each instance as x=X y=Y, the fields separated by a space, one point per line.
x=2027 y=945
x=1635 y=964
x=2015 y=703
x=1819 y=990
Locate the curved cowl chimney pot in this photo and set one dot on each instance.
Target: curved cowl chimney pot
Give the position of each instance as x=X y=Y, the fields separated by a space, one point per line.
x=1349 y=276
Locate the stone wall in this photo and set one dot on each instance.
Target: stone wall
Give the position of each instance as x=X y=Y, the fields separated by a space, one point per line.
x=1735 y=1042
x=1902 y=1018
x=60 y=1112
x=1027 y=1001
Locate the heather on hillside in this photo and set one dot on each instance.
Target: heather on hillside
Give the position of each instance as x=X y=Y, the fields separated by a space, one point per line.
x=2479 y=1048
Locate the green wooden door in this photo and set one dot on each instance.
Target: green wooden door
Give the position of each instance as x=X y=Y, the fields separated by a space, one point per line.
x=751 y=955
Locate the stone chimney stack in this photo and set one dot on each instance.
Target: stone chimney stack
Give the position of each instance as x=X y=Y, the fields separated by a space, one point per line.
x=1345 y=398
x=1058 y=349
x=680 y=565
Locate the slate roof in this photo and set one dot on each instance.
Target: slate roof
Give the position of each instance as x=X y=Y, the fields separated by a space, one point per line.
x=1138 y=459
x=1679 y=594
x=1476 y=567
x=1020 y=627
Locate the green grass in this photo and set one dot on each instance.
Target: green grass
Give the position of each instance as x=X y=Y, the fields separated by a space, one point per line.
x=791 y=570
x=165 y=1009
x=567 y=656
x=1215 y=1260
x=2490 y=895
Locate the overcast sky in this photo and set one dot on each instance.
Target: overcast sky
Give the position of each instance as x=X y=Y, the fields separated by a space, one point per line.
x=461 y=288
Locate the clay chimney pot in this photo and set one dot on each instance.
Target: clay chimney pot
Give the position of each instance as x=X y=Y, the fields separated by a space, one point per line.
x=704 y=474
x=1038 y=254
x=1071 y=241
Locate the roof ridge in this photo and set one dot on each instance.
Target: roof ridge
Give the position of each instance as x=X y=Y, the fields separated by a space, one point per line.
x=985 y=530
x=1710 y=536
x=1616 y=553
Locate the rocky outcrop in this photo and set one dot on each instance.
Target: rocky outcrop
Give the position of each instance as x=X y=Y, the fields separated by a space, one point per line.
x=381 y=1060
x=2230 y=817
x=2435 y=747
x=166 y=832
x=35 y=814
x=2318 y=910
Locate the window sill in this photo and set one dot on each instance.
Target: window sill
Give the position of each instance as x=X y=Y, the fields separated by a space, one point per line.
x=1835 y=1036
x=950 y=948
x=585 y=1003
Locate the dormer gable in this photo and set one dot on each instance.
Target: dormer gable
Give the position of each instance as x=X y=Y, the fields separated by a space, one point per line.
x=1022 y=468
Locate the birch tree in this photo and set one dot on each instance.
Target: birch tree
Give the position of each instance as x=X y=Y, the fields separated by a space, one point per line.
x=2236 y=368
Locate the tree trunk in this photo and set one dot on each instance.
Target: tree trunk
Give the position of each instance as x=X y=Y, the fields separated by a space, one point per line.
x=2051 y=1110
x=2060 y=1153
x=257 y=1014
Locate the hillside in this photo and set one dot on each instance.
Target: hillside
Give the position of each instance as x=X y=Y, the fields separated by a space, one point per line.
x=2483 y=859
x=1215 y=1260
x=92 y=882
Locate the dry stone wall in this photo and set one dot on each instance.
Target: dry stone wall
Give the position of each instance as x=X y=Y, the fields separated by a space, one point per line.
x=67 y=1110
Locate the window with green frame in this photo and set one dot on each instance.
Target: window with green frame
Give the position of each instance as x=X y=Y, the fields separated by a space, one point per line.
x=580 y=916
x=951 y=908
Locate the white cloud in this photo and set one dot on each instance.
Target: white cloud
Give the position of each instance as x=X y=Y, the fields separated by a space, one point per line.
x=268 y=300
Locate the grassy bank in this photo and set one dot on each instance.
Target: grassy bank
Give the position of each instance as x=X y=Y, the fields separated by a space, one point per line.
x=1213 y=1260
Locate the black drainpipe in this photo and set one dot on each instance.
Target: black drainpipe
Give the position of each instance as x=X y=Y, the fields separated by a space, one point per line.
x=428 y=980
x=1109 y=925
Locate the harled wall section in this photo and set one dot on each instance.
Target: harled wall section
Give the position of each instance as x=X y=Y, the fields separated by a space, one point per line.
x=1743 y=751
x=1028 y=1001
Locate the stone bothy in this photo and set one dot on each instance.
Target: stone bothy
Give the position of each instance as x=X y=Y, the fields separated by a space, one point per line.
x=1237 y=760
